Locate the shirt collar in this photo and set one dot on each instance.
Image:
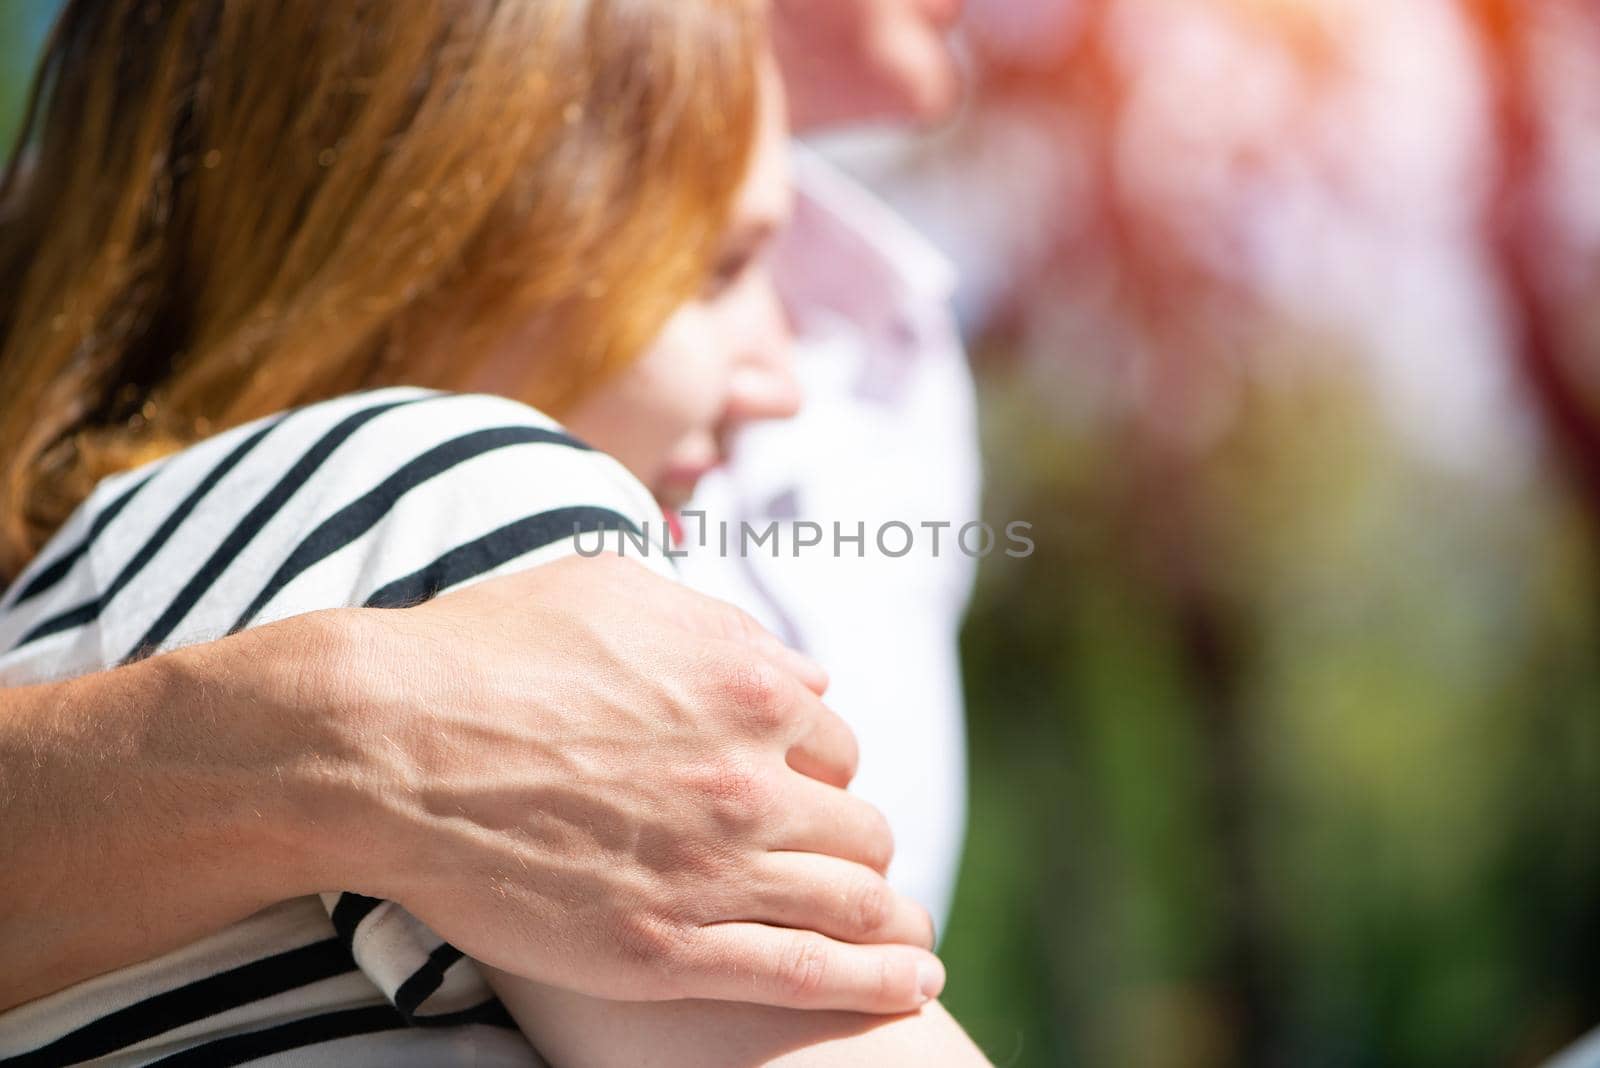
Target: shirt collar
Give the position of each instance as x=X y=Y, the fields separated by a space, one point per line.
x=849 y=254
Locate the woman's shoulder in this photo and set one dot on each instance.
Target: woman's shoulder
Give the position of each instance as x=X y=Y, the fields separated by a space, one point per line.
x=385 y=447
x=438 y=465
x=379 y=498
x=319 y=446
x=446 y=489
x=389 y=497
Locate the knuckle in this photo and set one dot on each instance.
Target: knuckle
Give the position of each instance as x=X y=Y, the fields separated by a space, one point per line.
x=802 y=968
x=738 y=624
x=737 y=788
x=756 y=688
x=871 y=907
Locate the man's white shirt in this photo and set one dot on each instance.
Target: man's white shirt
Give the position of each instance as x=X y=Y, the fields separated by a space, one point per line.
x=887 y=436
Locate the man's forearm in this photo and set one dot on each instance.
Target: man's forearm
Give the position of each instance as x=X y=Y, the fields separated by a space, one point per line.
x=147 y=806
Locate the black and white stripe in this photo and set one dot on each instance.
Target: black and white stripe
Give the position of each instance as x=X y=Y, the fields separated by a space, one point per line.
x=59 y=567
x=303 y=470
x=361 y=515
x=89 y=610
x=382 y=499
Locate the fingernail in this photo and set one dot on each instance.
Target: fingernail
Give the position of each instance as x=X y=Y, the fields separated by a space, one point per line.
x=930 y=979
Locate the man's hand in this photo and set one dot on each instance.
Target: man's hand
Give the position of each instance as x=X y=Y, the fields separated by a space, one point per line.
x=595 y=778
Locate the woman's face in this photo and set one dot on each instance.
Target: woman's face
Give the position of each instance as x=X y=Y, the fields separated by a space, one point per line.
x=723 y=359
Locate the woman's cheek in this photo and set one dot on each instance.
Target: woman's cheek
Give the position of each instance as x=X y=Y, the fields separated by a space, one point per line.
x=700 y=373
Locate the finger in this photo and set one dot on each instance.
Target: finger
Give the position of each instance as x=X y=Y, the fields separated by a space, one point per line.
x=827 y=751
x=818 y=818
x=752 y=962
x=718 y=619
x=850 y=902
x=812 y=674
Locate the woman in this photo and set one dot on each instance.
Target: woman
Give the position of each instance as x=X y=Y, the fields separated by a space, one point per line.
x=508 y=197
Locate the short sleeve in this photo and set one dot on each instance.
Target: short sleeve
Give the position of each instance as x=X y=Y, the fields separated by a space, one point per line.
x=447 y=490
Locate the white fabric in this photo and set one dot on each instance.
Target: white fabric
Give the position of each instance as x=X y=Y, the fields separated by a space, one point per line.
x=1584 y=1054
x=888 y=432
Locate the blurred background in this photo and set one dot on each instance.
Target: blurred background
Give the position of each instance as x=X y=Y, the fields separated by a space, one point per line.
x=1286 y=321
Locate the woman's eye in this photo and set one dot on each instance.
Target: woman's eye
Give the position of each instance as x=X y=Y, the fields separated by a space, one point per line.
x=727 y=271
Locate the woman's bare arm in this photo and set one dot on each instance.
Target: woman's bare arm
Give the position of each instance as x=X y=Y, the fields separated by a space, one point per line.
x=574 y=1031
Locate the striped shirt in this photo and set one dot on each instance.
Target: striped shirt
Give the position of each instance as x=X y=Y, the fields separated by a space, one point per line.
x=381 y=499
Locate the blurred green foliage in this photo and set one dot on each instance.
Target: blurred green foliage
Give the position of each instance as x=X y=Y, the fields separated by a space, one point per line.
x=1418 y=658
x=21 y=29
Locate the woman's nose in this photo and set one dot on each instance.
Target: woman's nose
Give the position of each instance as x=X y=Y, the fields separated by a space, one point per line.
x=764 y=385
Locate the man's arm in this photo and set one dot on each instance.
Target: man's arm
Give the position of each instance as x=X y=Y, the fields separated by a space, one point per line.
x=584 y=771
x=153 y=804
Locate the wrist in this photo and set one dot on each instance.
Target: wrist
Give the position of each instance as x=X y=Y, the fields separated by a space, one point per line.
x=375 y=686
x=273 y=752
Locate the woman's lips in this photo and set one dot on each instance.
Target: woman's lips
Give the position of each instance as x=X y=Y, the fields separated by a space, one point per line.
x=689 y=474
x=676 y=486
